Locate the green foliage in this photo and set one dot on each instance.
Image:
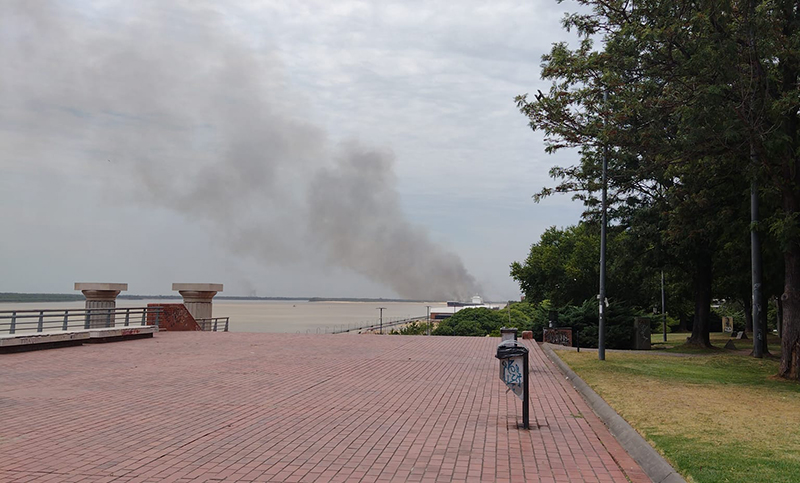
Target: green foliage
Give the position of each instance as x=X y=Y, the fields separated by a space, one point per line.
x=561 y=267
x=519 y=317
x=414 y=328
x=657 y=327
x=702 y=98
x=731 y=309
x=584 y=318
x=476 y=322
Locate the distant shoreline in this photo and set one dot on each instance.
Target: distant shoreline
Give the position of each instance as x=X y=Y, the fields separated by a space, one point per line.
x=74 y=297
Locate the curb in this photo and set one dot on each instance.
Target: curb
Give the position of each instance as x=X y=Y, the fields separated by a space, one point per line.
x=653 y=464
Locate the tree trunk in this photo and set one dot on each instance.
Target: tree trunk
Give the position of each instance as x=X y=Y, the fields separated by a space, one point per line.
x=790 y=342
x=701 y=282
x=683 y=326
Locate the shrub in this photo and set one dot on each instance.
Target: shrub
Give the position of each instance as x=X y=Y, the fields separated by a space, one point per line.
x=478 y=321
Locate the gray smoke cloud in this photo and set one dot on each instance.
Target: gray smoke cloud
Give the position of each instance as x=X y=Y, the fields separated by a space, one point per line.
x=169 y=96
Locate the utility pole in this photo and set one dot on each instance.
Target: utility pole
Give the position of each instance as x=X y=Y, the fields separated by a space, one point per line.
x=381 y=309
x=601 y=336
x=663 y=307
x=428 y=320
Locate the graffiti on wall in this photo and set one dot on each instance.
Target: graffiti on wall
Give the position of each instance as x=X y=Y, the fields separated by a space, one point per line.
x=559 y=336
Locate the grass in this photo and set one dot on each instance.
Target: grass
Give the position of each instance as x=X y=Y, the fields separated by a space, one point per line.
x=718 y=339
x=717 y=418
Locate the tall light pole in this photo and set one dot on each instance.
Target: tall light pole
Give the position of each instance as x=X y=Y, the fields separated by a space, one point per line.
x=428 y=320
x=601 y=336
x=381 y=309
x=663 y=306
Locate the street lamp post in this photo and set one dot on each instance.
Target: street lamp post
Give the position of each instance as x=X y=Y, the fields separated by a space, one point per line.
x=381 y=326
x=601 y=337
x=663 y=307
x=428 y=320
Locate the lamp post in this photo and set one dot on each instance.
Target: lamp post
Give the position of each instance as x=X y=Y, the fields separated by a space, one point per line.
x=381 y=326
x=663 y=307
x=601 y=336
x=428 y=320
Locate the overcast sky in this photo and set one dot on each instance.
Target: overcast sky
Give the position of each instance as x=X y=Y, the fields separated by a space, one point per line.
x=298 y=148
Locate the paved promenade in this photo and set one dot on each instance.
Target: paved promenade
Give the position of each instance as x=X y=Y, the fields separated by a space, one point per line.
x=197 y=406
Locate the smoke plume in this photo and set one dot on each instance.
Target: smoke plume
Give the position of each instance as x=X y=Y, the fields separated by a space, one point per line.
x=170 y=96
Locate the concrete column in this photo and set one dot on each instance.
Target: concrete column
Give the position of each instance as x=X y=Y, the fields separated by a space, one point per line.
x=197 y=297
x=100 y=297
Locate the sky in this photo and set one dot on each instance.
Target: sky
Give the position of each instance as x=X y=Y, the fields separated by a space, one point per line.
x=298 y=148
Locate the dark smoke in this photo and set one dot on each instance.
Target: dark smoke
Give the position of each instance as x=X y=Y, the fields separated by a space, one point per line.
x=175 y=98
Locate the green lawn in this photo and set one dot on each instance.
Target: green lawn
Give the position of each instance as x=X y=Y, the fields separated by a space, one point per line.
x=722 y=417
x=718 y=339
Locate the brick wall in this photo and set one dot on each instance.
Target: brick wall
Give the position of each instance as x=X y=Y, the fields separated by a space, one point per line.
x=174 y=317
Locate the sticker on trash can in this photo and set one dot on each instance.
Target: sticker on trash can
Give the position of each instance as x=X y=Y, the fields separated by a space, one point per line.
x=511 y=374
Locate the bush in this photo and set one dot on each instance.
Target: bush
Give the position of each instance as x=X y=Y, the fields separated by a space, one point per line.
x=414 y=328
x=728 y=309
x=657 y=324
x=585 y=319
x=478 y=321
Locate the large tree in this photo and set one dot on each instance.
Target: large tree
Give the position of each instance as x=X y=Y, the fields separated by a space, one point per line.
x=692 y=84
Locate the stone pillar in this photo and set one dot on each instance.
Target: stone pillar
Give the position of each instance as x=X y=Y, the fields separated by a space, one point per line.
x=101 y=297
x=508 y=334
x=197 y=297
x=641 y=338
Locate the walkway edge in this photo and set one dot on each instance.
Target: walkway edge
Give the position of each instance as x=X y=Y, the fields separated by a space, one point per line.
x=656 y=467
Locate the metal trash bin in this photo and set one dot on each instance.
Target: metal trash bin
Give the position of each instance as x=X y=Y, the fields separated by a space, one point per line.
x=514 y=373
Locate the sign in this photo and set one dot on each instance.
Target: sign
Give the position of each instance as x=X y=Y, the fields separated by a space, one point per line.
x=511 y=374
x=727 y=324
x=559 y=336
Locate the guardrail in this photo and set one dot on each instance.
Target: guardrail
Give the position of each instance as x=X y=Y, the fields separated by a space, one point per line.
x=372 y=326
x=213 y=324
x=32 y=321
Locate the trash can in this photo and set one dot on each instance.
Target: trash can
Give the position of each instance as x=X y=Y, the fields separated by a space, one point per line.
x=514 y=372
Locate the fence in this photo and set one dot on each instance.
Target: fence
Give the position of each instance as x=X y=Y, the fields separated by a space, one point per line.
x=213 y=324
x=32 y=321
x=371 y=326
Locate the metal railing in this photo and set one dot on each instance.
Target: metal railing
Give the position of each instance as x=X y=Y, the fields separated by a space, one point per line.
x=372 y=326
x=28 y=321
x=213 y=324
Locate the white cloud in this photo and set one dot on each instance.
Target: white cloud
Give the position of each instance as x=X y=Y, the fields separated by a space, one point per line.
x=432 y=81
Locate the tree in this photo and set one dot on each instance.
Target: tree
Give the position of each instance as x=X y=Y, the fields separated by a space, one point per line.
x=561 y=267
x=679 y=100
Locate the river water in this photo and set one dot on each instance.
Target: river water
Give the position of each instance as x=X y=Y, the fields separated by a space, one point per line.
x=276 y=316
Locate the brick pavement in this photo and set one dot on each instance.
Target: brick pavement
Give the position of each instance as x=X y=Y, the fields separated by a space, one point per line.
x=198 y=406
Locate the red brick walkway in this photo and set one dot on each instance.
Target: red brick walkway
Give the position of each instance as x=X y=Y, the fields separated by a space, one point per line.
x=283 y=407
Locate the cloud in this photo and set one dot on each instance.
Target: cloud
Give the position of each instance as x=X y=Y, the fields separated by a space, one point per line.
x=175 y=101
